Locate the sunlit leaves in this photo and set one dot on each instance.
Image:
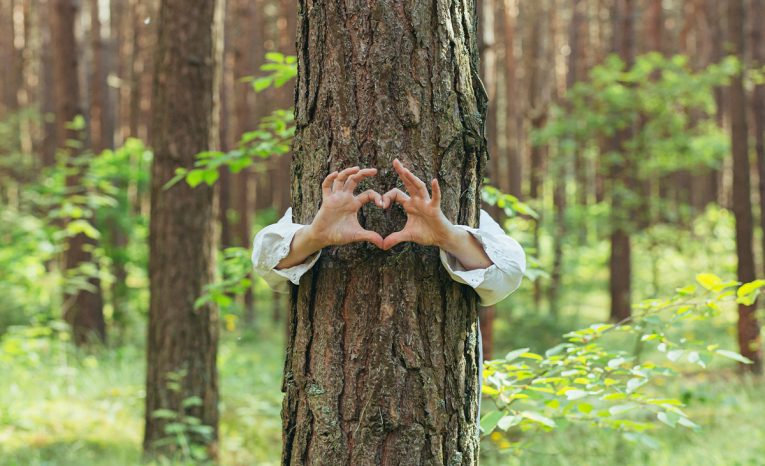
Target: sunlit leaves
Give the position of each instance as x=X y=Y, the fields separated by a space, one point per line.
x=511 y=205
x=280 y=69
x=584 y=380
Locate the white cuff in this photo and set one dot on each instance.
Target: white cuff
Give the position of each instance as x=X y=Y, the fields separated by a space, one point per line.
x=502 y=277
x=293 y=273
x=270 y=246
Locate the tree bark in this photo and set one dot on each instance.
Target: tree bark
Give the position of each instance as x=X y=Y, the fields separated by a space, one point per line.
x=758 y=106
x=620 y=262
x=83 y=310
x=101 y=132
x=182 y=339
x=512 y=163
x=382 y=355
x=748 y=327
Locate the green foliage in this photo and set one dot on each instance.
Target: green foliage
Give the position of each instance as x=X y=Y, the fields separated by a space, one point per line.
x=510 y=204
x=583 y=380
x=235 y=270
x=184 y=432
x=281 y=69
x=667 y=106
x=272 y=138
x=104 y=206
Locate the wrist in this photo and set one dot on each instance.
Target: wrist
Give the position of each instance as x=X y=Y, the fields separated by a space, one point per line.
x=312 y=239
x=451 y=238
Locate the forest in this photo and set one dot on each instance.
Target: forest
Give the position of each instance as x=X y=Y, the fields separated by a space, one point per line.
x=145 y=143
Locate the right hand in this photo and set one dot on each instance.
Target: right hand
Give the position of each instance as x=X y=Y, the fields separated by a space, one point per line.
x=336 y=222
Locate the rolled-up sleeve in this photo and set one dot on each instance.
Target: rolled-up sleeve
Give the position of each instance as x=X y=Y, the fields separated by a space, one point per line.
x=271 y=245
x=503 y=276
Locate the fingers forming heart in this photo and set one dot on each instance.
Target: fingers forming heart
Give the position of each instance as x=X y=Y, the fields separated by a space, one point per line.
x=346 y=181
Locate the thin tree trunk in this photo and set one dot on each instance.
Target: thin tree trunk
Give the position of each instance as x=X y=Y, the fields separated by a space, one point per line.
x=382 y=355
x=513 y=170
x=489 y=72
x=83 y=310
x=182 y=339
x=758 y=106
x=560 y=177
x=245 y=46
x=101 y=135
x=748 y=327
x=620 y=263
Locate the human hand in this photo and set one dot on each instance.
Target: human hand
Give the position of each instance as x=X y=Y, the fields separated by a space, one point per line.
x=426 y=224
x=336 y=222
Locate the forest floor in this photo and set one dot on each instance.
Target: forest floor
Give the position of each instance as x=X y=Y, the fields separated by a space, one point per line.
x=64 y=409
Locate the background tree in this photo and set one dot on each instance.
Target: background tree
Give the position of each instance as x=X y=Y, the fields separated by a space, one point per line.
x=748 y=326
x=183 y=337
x=83 y=308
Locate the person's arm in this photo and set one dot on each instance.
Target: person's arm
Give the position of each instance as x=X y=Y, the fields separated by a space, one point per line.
x=286 y=250
x=508 y=262
x=484 y=258
x=271 y=245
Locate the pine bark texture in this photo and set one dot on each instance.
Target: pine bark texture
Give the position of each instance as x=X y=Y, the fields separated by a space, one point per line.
x=382 y=360
x=181 y=237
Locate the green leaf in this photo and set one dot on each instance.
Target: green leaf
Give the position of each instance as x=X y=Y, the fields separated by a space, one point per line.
x=275 y=57
x=82 y=226
x=733 y=355
x=668 y=418
x=585 y=408
x=211 y=176
x=192 y=401
x=687 y=290
x=534 y=356
x=619 y=409
x=489 y=421
x=515 y=354
x=195 y=177
x=536 y=417
x=261 y=84
x=164 y=414
x=748 y=292
x=709 y=281
x=180 y=173
x=576 y=394
x=509 y=421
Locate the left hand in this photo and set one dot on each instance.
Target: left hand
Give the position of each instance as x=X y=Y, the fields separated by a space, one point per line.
x=426 y=224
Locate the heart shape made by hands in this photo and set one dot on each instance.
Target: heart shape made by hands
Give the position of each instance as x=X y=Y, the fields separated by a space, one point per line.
x=337 y=216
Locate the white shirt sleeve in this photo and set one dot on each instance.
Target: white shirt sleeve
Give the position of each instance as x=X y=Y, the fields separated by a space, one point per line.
x=271 y=245
x=496 y=282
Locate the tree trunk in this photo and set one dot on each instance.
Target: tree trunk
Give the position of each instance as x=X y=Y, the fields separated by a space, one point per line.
x=47 y=103
x=83 y=310
x=244 y=44
x=382 y=355
x=182 y=340
x=101 y=133
x=559 y=168
x=758 y=106
x=512 y=163
x=620 y=262
x=748 y=327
